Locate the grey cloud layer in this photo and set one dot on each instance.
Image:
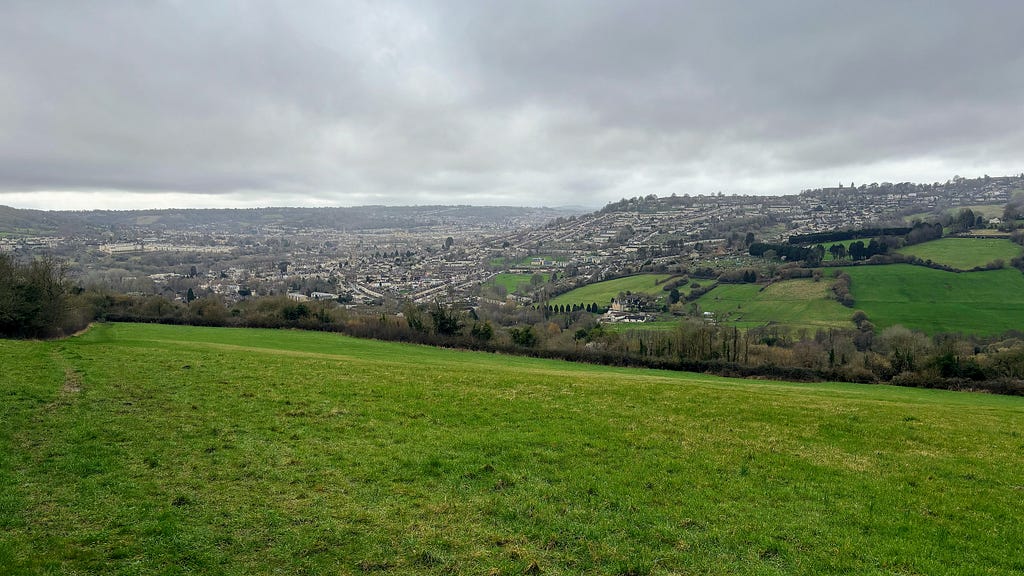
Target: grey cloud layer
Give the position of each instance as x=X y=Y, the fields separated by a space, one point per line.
x=516 y=103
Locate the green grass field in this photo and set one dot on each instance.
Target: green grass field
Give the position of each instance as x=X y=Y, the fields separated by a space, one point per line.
x=794 y=303
x=921 y=298
x=964 y=253
x=986 y=210
x=926 y=216
x=140 y=449
x=603 y=292
x=934 y=301
x=512 y=281
x=845 y=243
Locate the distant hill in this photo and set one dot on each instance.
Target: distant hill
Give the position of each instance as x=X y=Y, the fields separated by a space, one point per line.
x=13 y=220
x=841 y=195
x=17 y=221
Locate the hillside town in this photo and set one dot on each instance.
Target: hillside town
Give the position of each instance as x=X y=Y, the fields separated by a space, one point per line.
x=450 y=255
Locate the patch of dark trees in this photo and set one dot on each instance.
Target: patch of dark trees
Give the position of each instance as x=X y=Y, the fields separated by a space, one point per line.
x=593 y=308
x=739 y=276
x=922 y=232
x=843 y=235
x=37 y=300
x=858 y=251
x=787 y=252
x=877 y=251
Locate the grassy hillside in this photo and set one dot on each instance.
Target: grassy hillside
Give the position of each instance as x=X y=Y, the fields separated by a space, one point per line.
x=603 y=292
x=796 y=303
x=933 y=301
x=937 y=301
x=964 y=253
x=986 y=210
x=512 y=281
x=153 y=449
x=15 y=221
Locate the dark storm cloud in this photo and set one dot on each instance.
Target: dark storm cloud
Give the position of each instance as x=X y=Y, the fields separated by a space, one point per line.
x=515 y=103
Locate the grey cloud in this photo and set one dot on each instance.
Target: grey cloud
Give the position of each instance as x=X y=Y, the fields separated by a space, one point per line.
x=522 y=102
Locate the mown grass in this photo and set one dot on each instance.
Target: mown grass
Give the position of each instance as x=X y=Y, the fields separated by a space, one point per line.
x=512 y=281
x=795 y=303
x=964 y=253
x=153 y=449
x=935 y=301
x=603 y=292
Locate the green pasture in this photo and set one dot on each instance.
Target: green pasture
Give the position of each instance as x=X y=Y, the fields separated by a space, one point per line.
x=925 y=216
x=147 y=449
x=921 y=298
x=989 y=232
x=512 y=281
x=986 y=210
x=845 y=243
x=603 y=292
x=964 y=253
x=702 y=283
x=800 y=303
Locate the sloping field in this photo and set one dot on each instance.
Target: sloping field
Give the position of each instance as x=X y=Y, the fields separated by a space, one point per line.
x=964 y=253
x=603 y=292
x=986 y=210
x=139 y=449
x=796 y=303
x=512 y=281
x=921 y=298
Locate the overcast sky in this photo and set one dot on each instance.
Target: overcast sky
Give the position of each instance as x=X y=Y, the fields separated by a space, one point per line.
x=247 y=103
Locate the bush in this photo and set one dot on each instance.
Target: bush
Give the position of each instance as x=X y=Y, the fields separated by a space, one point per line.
x=523 y=337
x=841 y=289
x=35 y=299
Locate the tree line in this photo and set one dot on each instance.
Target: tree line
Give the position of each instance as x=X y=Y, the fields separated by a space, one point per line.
x=863 y=354
x=843 y=235
x=37 y=300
